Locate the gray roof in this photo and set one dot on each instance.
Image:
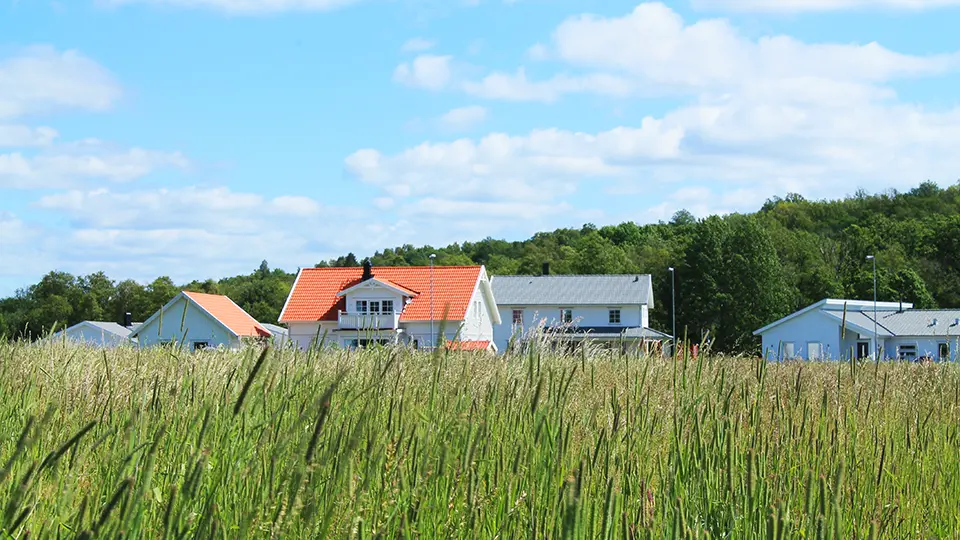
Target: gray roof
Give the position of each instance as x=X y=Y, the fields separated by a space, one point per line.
x=860 y=319
x=919 y=322
x=275 y=330
x=573 y=290
x=110 y=327
x=909 y=322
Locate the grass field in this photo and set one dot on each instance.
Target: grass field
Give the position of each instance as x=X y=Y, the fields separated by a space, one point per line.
x=395 y=444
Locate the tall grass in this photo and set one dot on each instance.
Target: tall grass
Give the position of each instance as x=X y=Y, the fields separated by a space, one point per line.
x=167 y=444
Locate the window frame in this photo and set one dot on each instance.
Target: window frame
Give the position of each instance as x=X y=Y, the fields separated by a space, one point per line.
x=913 y=349
x=514 y=315
x=204 y=344
x=383 y=307
x=789 y=350
x=940 y=347
x=363 y=309
x=610 y=316
x=819 y=346
x=566 y=315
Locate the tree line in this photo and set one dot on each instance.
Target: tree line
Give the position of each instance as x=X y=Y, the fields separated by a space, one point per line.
x=734 y=273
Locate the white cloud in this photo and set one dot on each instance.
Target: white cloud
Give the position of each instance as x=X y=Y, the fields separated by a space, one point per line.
x=792 y=6
x=517 y=87
x=65 y=165
x=42 y=79
x=514 y=167
x=463 y=118
x=245 y=7
x=199 y=232
x=654 y=44
x=23 y=136
x=428 y=71
x=417 y=44
x=757 y=117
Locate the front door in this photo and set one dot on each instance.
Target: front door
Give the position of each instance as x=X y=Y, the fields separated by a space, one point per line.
x=863 y=349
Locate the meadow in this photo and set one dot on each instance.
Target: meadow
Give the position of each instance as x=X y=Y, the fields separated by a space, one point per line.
x=394 y=443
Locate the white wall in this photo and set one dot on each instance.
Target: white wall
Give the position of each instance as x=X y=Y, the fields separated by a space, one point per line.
x=812 y=326
x=373 y=293
x=477 y=326
x=631 y=316
x=93 y=335
x=197 y=326
x=303 y=334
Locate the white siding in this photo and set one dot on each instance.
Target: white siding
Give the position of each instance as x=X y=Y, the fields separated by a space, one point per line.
x=477 y=325
x=812 y=326
x=631 y=316
x=303 y=334
x=196 y=326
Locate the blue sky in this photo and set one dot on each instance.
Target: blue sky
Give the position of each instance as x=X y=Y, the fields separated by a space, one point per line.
x=194 y=138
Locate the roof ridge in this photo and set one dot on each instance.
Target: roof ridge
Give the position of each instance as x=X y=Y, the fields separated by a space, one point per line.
x=573 y=275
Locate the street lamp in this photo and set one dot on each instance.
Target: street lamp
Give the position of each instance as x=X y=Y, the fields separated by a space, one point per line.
x=876 y=338
x=673 y=307
x=433 y=342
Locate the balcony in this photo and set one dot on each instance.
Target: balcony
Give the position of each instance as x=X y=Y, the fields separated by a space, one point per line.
x=368 y=321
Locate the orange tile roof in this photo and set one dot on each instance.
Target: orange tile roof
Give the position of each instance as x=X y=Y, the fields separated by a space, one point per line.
x=314 y=295
x=229 y=314
x=468 y=345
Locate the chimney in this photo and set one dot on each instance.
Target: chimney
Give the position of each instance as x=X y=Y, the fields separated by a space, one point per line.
x=546 y=269
x=127 y=320
x=367 y=270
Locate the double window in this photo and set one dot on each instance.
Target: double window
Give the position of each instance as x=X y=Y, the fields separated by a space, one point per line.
x=907 y=351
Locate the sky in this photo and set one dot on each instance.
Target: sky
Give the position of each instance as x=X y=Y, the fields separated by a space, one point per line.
x=195 y=138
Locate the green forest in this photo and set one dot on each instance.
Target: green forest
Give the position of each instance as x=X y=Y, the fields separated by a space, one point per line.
x=734 y=273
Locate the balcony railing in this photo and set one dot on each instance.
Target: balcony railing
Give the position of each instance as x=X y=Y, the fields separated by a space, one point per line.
x=368 y=321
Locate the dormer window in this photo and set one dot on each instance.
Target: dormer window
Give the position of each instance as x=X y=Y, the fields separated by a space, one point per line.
x=361 y=306
x=386 y=306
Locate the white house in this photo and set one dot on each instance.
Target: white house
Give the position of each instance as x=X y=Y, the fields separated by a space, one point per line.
x=833 y=329
x=198 y=321
x=413 y=305
x=96 y=333
x=607 y=308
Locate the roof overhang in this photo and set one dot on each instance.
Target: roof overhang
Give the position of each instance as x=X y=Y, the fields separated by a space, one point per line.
x=379 y=283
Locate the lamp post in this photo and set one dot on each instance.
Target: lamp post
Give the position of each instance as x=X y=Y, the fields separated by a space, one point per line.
x=876 y=338
x=433 y=342
x=673 y=307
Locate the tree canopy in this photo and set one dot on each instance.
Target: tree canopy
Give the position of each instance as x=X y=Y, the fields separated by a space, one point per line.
x=734 y=273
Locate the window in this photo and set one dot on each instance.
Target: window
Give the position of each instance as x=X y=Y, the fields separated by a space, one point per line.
x=863 y=349
x=814 y=350
x=789 y=350
x=614 y=316
x=907 y=352
x=375 y=306
x=477 y=308
x=518 y=316
x=943 y=351
x=566 y=315
x=386 y=306
x=361 y=306
x=200 y=345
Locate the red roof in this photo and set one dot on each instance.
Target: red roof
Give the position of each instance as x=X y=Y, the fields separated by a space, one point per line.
x=229 y=314
x=314 y=295
x=468 y=345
